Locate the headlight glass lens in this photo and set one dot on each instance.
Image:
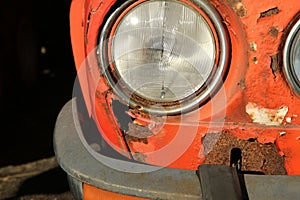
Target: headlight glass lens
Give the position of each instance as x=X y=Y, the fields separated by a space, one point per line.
x=164 y=51
x=164 y=56
x=291 y=57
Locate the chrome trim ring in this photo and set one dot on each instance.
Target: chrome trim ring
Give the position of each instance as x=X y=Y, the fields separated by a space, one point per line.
x=290 y=51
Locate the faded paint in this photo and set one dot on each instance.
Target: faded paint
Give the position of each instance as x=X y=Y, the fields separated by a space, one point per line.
x=266 y=116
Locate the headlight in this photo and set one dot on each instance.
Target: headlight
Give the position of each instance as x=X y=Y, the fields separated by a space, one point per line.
x=167 y=53
x=291 y=57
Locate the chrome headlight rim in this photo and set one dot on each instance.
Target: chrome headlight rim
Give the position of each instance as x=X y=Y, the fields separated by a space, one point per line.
x=176 y=107
x=288 y=54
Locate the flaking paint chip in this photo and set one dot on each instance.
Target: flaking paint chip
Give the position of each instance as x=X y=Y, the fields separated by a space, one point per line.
x=282 y=133
x=266 y=116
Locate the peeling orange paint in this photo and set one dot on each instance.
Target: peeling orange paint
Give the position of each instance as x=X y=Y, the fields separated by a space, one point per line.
x=290 y=146
x=266 y=116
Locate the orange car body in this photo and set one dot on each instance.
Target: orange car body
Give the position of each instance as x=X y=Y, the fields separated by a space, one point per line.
x=254 y=83
x=256 y=99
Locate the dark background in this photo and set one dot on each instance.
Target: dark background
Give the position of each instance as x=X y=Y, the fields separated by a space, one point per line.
x=34 y=85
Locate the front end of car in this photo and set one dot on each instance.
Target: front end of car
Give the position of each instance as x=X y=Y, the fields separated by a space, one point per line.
x=167 y=88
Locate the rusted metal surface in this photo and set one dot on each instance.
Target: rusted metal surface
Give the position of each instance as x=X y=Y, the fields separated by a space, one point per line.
x=139 y=133
x=238 y=7
x=255 y=157
x=269 y=13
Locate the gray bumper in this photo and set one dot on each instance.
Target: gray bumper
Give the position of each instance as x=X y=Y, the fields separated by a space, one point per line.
x=163 y=183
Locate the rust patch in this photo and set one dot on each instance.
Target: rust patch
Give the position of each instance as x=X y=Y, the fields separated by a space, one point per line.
x=269 y=13
x=238 y=7
x=139 y=157
x=255 y=60
x=86 y=41
x=274 y=64
x=130 y=138
x=256 y=157
x=273 y=31
x=253 y=46
x=242 y=84
x=209 y=140
x=137 y=133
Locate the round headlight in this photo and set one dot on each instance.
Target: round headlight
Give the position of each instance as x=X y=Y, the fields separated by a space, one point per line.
x=291 y=57
x=168 y=53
